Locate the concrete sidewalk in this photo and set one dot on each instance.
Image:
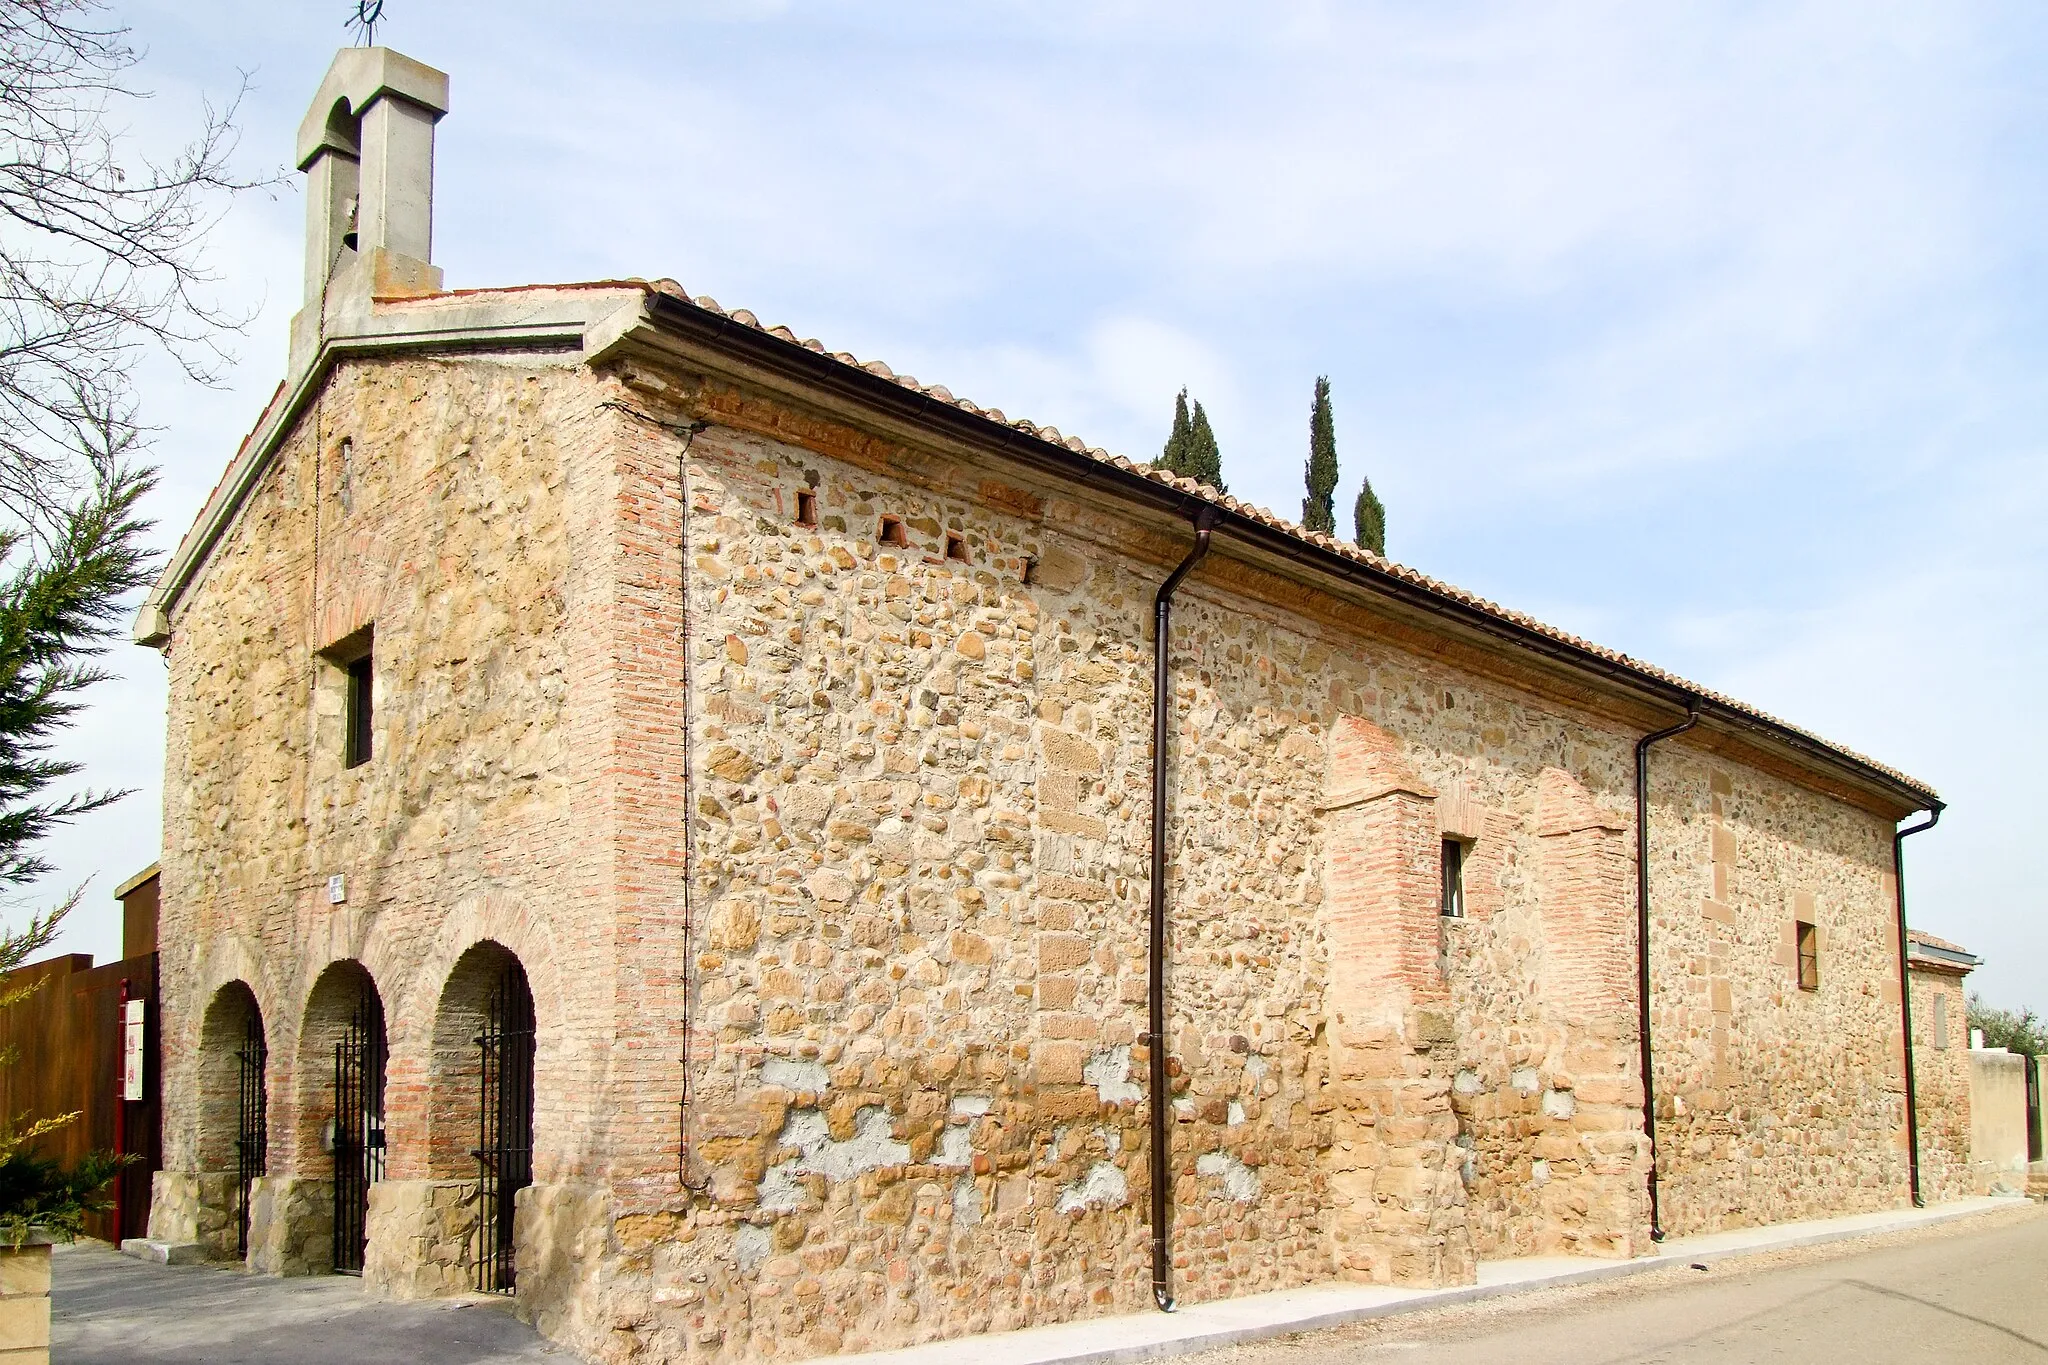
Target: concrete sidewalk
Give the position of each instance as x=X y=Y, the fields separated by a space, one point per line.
x=1229 y=1322
x=110 y=1309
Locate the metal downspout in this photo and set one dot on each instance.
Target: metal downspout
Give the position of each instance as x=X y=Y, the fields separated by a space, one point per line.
x=1906 y=998
x=1155 y=1037
x=1692 y=718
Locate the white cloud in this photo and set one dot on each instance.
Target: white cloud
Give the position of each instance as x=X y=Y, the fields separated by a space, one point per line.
x=1715 y=328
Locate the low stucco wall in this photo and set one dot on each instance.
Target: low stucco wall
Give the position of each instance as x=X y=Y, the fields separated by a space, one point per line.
x=1998 y=1120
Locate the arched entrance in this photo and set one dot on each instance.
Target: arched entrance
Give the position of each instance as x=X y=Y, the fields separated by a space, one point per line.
x=342 y=1051
x=234 y=1120
x=481 y=1124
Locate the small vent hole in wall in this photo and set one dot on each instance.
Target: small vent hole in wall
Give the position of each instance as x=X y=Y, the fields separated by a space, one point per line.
x=956 y=547
x=806 y=509
x=1030 y=570
x=892 y=532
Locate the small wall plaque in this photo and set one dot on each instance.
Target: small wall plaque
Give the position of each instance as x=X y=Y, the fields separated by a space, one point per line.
x=132 y=1053
x=337 y=889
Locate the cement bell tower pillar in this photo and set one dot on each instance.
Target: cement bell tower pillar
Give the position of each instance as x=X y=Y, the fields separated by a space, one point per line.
x=367 y=148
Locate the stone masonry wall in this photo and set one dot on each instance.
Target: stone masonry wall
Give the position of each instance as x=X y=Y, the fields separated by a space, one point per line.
x=1774 y=1102
x=1941 y=1079
x=921 y=765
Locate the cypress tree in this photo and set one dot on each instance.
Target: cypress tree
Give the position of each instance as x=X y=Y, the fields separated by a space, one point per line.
x=1371 y=520
x=1174 y=459
x=1205 y=461
x=1191 y=449
x=1319 y=508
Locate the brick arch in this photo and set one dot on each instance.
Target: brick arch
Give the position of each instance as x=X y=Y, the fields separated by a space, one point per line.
x=362 y=566
x=223 y=1031
x=454 y=1083
x=329 y=1003
x=560 y=1054
x=228 y=958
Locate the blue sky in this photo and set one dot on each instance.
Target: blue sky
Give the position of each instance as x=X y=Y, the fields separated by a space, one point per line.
x=1715 y=333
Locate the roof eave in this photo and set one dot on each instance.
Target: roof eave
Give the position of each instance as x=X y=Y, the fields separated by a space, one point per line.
x=764 y=350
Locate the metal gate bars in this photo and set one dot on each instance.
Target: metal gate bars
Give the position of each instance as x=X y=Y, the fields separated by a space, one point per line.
x=358 y=1128
x=504 y=1151
x=252 y=1127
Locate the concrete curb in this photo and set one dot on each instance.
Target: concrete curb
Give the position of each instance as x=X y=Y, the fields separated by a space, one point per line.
x=1257 y=1317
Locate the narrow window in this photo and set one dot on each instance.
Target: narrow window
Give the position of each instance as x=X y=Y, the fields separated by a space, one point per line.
x=1809 y=957
x=1454 y=879
x=893 y=533
x=360 y=676
x=1941 y=1022
x=806 y=508
x=956 y=547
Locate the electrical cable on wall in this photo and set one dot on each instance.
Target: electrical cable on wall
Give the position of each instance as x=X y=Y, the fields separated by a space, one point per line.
x=688 y=431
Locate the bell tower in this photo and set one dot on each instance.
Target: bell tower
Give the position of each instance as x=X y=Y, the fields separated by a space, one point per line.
x=367 y=148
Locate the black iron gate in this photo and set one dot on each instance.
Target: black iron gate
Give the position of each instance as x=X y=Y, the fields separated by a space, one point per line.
x=358 y=1128
x=504 y=1151
x=252 y=1127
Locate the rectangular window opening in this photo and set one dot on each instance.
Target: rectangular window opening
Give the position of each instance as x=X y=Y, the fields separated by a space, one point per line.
x=1454 y=879
x=806 y=509
x=893 y=532
x=956 y=547
x=1809 y=957
x=358 y=677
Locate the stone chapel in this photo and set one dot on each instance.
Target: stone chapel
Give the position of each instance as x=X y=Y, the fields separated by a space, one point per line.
x=756 y=856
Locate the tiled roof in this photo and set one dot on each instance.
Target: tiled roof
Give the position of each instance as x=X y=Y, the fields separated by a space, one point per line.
x=1327 y=543
x=1921 y=936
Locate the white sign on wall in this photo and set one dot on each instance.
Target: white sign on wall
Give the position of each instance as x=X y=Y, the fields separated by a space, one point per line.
x=132 y=1058
x=337 y=889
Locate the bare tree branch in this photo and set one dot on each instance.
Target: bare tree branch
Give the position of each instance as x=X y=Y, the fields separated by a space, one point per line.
x=102 y=254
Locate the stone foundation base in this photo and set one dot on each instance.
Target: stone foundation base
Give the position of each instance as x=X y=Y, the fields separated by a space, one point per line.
x=291 y=1225
x=562 y=1233
x=423 y=1238
x=195 y=1207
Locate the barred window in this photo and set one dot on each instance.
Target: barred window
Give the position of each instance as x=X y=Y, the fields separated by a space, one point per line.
x=1809 y=957
x=1454 y=879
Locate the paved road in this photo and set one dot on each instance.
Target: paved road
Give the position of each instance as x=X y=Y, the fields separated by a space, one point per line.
x=109 y=1309
x=1931 y=1296
x=1977 y=1297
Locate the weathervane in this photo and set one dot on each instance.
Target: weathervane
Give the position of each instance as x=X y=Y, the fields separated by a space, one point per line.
x=364 y=21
